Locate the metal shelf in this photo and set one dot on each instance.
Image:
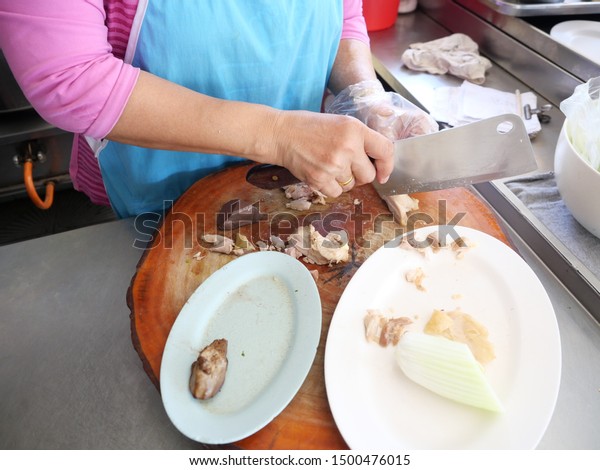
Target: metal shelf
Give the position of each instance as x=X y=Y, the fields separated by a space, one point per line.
x=17 y=126
x=542 y=7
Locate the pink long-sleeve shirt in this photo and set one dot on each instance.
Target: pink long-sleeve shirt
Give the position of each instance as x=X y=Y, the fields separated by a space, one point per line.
x=60 y=54
x=67 y=56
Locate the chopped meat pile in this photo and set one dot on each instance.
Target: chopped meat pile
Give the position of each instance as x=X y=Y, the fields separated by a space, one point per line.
x=303 y=196
x=330 y=249
x=462 y=327
x=383 y=330
x=225 y=245
x=318 y=249
x=208 y=371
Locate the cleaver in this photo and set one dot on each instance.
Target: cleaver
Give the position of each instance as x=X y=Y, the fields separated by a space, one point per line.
x=492 y=148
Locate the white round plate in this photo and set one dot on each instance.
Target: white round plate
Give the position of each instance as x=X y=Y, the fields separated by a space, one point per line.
x=267 y=306
x=375 y=406
x=580 y=35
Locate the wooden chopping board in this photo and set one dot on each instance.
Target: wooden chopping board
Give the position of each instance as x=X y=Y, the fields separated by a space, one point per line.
x=168 y=274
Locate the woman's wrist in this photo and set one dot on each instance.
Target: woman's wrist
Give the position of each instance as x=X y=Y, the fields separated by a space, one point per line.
x=269 y=136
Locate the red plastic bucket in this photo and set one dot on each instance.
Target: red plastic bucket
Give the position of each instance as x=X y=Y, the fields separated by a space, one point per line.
x=380 y=14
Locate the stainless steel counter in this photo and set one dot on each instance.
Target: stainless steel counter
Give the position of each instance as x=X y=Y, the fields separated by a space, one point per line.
x=69 y=376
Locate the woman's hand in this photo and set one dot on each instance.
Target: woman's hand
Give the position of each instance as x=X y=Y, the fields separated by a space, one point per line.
x=331 y=153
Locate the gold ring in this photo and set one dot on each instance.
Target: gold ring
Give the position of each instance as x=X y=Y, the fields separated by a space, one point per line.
x=346 y=183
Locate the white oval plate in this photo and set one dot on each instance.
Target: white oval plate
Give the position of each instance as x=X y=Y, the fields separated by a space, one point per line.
x=580 y=35
x=267 y=306
x=376 y=407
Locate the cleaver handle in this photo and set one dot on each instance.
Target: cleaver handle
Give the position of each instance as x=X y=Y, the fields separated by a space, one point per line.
x=266 y=176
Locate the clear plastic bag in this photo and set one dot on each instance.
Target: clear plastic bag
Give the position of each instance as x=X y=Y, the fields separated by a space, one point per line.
x=582 y=110
x=386 y=112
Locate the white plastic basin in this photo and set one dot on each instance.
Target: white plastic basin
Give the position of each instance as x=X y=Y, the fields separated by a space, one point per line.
x=578 y=183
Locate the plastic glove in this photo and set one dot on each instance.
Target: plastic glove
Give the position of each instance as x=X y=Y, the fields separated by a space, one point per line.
x=385 y=112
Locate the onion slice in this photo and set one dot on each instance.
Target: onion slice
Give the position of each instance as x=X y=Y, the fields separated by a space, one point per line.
x=447 y=368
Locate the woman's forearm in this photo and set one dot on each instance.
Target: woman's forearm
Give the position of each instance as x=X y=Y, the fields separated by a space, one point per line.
x=161 y=114
x=164 y=115
x=353 y=64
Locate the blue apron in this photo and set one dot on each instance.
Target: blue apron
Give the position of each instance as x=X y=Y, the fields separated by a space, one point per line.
x=274 y=52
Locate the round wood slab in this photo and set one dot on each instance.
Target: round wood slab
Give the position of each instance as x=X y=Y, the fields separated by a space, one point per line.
x=168 y=274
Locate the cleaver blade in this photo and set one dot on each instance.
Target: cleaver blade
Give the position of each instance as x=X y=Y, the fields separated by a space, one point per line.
x=493 y=148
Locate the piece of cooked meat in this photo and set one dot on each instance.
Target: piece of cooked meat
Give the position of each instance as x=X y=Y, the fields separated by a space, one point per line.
x=462 y=327
x=433 y=244
x=277 y=243
x=416 y=276
x=302 y=191
x=393 y=330
x=433 y=241
x=237 y=213
x=333 y=248
x=460 y=246
x=220 y=243
x=208 y=371
x=225 y=245
x=298 y=191
x=400 y=205
x=301 y=204
x=383 y=330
